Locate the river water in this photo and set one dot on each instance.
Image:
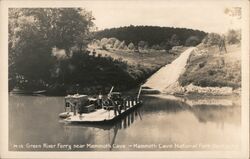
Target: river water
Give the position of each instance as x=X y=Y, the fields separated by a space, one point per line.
x=160 y=124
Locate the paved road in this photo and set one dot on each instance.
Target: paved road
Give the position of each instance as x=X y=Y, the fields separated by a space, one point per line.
x=170 y=73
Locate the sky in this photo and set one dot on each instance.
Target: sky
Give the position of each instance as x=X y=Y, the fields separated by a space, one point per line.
x=208 y=16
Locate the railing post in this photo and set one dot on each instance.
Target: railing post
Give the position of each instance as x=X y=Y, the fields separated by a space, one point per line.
x=124 y=104
x=130 y=103
x=134 y=100
x=74 y=107
x=65 y=105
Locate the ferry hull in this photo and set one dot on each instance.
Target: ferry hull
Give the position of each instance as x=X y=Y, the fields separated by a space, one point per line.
x=77 y=119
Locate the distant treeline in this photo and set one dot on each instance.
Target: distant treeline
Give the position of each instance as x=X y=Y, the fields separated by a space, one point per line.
x=153 y=35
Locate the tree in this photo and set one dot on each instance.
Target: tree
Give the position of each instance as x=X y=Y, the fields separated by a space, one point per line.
x=96 y=43
x=212 y=39
x=111 y=42
x=233 y=36
x=116 y=44
x=104 y=41
x=143 y=44
x=174 y=40
x=167 y=45
x=192 y=41
x=131 y=46
x=122 y=46
x=33 y=32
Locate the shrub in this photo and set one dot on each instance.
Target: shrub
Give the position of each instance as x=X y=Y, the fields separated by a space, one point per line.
x=156 y=47
x=104 y=47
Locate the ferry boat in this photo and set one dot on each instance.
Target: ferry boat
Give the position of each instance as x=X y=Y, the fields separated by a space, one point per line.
x=83 y=109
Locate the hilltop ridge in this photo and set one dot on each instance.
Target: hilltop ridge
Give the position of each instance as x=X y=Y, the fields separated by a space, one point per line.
x=153 y=35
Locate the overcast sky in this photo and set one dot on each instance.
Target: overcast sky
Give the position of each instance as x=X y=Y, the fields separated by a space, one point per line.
x=208 y=16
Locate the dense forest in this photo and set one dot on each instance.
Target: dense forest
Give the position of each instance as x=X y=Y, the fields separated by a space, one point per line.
x=153 y=35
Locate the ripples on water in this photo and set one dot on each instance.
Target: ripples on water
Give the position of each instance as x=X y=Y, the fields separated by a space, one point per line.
x=159 y=124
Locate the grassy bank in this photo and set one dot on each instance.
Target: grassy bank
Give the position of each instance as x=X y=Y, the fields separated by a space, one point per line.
x=146 y=58
x=208 y=67
x=120 y=68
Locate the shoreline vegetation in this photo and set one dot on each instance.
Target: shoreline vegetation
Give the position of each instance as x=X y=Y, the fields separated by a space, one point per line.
x=139 y=67
x=211 y=72
x=54 y=52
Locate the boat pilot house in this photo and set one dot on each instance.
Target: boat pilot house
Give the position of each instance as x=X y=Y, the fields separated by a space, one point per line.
x=78 y=104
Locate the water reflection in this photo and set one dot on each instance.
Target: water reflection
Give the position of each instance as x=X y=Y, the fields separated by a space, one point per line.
x=73 y=131
x=204 y=110
x=217 y=113
x=159 y=120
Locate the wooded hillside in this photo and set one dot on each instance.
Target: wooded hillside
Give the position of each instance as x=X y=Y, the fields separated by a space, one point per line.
x=151 y=34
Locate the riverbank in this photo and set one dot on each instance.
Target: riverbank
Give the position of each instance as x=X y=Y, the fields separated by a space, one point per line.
x=193 y=90
x=203 y=70
x=123 y=69
x=211 y=72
